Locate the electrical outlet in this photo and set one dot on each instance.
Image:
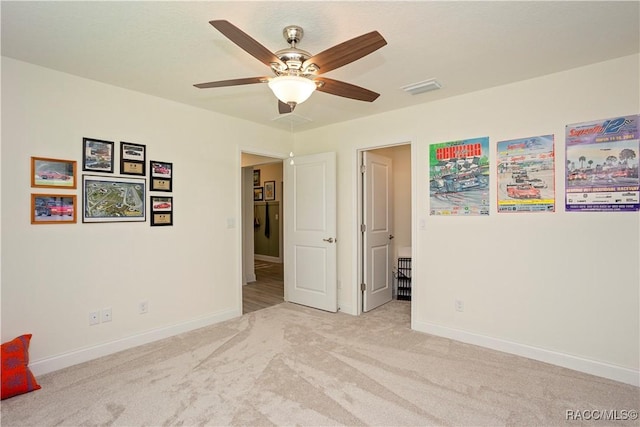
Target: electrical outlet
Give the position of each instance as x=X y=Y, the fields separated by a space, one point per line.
x=143 y=307
x=106 y=315
x=459 y=305
x=94 y=318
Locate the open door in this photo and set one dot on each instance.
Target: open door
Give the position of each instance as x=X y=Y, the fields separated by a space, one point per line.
x=310 y=276
x=377 y=176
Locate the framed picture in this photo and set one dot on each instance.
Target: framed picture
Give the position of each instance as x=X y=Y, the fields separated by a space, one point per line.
x=269 y=190
x=257 y=193
x=132 y=159
x=161 y=210
x=161 y=176
x=53 y=173
x=97 y=155
x=53 y=209
x=113 y=199
x=256 y=178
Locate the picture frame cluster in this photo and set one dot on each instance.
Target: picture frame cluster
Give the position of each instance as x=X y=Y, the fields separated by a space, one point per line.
x=266 y=192
x=105 y=197
x=53 y=208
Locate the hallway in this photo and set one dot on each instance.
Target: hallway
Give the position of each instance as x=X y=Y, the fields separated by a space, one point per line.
x=267 y=290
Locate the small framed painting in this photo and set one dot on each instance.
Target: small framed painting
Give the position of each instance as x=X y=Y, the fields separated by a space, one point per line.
x=161 y=176
x=53 y=173
x=161 y=211
x=257 y=194
x=269 y=190
x=53 y=209
x=132 y=159
x=256 y=178
x=97 y=155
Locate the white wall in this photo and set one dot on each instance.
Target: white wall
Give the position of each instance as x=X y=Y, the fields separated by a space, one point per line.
x=54 y=275
x=568 y=295
x=560 y=287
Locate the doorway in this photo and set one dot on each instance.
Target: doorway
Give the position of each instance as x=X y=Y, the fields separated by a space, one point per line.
x=262 y=246
x=384 y=238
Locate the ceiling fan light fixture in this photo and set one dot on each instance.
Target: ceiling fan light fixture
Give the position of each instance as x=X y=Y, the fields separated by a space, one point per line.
x=292 y=89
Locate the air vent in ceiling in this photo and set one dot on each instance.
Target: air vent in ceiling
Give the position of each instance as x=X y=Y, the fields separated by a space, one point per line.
x=421 y=87
x=291 y=118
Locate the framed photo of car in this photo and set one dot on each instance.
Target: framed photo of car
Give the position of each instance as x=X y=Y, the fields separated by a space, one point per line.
x=113 y=199
x=132 y=159
x=257 y=194
x=53 y=173
x=269 y=190
x=161 y=176
x=161 y=210
x=53 y=209
x=97 y=155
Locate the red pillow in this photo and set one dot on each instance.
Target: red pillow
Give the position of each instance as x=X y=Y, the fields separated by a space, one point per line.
x=16 y=375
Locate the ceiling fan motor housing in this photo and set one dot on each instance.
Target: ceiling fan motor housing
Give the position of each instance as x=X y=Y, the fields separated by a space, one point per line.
x=292 y=57
x=293 y=34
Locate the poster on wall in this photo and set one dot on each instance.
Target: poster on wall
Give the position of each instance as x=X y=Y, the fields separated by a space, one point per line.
x=526 y=174
x=459 y=177
x=602 y=165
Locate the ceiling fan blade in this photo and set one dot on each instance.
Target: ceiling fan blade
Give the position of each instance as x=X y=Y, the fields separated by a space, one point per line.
x=247 y=43
x=233 y=82
x=346 y=52
x=285 y=108
x=347 y=90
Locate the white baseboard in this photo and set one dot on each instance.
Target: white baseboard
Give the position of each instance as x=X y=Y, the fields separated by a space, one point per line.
x=600 y=369
x=347 y=309
x=50 y=364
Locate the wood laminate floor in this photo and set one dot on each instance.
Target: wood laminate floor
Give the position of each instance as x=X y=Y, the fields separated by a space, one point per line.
x=267 y=290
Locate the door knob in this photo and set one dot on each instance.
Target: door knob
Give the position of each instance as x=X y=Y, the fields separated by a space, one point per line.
x=391 y=236
x=330 y=240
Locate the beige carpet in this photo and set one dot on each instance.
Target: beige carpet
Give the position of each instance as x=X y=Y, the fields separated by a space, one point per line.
x=292 y=365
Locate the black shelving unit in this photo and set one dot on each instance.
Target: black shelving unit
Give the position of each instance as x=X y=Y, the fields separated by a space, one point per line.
x=404 y=279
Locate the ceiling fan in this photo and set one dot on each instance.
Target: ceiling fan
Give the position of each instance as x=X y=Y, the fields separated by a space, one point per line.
x=297 y=71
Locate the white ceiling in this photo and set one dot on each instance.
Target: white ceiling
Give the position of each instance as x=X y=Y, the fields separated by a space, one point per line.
x=163 y=48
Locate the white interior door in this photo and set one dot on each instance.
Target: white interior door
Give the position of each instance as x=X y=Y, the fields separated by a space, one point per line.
x=378 y=230
x=310 y=231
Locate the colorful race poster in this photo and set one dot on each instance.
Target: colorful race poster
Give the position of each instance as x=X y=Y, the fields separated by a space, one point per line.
x=602 y=165
x=526 y=175
x=459 y=177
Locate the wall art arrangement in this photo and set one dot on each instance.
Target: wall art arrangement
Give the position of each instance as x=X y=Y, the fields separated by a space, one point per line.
x=132 y=159
x=105 y=198
x=161 y=210
x=602 y=165
x=459 y=177
x=113 y=199
x=53 y=209
x=601 y=171
x=161 y=180
x=526 y=174
x=97 y=155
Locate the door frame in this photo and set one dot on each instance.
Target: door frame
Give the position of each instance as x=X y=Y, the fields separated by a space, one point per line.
x=357 y=209
x=245 y=149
